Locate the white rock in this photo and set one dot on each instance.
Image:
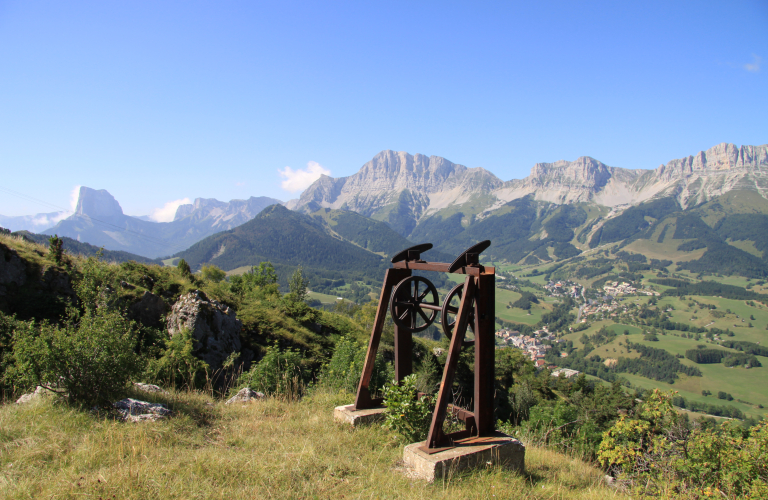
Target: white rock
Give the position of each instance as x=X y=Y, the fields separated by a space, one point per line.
x=149 y=387
x=133 y=410
x=245 y=395
x=39 y=392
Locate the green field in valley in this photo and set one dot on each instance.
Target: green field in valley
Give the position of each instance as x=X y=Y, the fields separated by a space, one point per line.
x=745 y=384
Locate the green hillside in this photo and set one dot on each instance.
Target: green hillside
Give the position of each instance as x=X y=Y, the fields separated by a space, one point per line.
x=86 y=249
x=288 y=239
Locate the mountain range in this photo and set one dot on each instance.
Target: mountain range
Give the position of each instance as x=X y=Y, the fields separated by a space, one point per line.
x=99 y=220
x=557 y=212
x=405 y=190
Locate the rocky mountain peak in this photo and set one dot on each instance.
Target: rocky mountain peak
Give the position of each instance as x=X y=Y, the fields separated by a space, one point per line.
x=97 y=203
x=584 y=172
x=723 y=158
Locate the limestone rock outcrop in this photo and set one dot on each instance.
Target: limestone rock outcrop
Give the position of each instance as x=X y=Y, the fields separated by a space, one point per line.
x=244 y=396
x=416 y=186
x=133 y=410
x=149 y=310
x=431 y=182
x=38 y=393
x=214 y=327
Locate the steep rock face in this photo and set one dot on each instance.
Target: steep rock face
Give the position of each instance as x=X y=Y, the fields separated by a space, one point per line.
x=569 y=182
x=220 y=215
x=723 y=158
x=401 y=189
x=148 y=310
x=213 y=325
x=30 y=290
x=431 y=182
x=723 y=168
x=100 y=221
x=91 y=202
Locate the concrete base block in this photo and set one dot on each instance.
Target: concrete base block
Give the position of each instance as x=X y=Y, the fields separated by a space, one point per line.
x=499 y=449
x=349 y=415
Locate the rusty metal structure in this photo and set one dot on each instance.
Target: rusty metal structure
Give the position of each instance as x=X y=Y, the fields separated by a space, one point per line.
x=414 y=304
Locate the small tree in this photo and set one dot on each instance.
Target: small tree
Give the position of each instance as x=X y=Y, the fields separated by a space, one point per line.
x=178 y=365
x=183 y=267
x=56 y=249
x=298 y=286
x=278 y=373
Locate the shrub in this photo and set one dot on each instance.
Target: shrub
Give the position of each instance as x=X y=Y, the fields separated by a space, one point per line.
x=90 y=361
x=94 y=284
x=654 y=451
x=278 y=373
x=298 y=286
x=342 y=373
x=183 y=267
x=406 y=413
x=263 y=276
x=178 y=366
x=212 y=273
x=56 y=249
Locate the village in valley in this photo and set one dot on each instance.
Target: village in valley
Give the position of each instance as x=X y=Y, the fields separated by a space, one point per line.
x=599 y=306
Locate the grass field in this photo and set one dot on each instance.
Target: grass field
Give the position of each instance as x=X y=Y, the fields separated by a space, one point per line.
x=746 y=384
x=323 y=297
x=266 y=449
x=504 y=297
x=739 y=311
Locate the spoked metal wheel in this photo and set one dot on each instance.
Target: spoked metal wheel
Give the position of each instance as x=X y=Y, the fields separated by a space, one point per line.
x=414 y=303
x=450 y=313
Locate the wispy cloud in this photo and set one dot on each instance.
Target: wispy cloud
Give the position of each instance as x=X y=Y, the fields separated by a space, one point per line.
x=168 y=211
x=754 y=66
x=299 y=180
x=74 y=195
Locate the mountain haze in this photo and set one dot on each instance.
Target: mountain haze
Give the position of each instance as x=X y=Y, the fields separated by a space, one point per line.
x=99 y=220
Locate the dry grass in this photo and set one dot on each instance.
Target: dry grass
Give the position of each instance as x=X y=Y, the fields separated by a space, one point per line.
x=266 y=449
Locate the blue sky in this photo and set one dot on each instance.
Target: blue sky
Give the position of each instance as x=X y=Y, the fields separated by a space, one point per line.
x=161 y=101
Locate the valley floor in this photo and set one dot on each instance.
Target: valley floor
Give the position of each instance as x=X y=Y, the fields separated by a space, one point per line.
x=265 y=449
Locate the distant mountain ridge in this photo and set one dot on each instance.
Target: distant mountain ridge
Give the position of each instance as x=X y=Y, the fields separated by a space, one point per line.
x=404 y=189
x=99 y=220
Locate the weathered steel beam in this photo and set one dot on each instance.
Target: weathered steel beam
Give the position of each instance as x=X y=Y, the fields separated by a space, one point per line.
x=391 y=278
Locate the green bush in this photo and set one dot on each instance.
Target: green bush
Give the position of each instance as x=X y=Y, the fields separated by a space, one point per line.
x=56 y=249
x=95 y=284
x=343 y=371
x=91 y=361
x=183 y=267
x=656 y=451
x=406 y=413
x=212 y=273
x=278 y=373
x=178 y=366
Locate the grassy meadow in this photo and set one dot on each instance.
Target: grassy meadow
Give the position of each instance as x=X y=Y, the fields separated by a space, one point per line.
x=741 y=383
x=270 y=448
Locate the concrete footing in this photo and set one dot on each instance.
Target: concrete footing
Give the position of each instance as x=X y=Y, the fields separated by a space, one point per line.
x=498 y=449
x=355 y=418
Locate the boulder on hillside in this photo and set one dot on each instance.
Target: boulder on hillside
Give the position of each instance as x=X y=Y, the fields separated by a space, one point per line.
x=149 y=387
x=40 y=392
x=133 y=410
x=244 y=396
x=214 y=327
x=149 y=310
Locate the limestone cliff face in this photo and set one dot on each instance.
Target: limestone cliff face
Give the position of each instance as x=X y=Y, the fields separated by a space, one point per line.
x=215 y=215
x=431 y=181
x=434 y=183
x=97 y=203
